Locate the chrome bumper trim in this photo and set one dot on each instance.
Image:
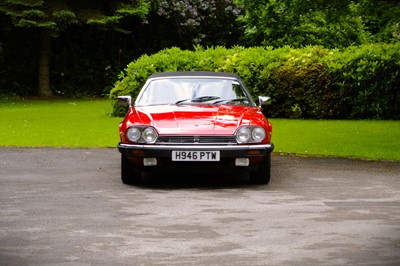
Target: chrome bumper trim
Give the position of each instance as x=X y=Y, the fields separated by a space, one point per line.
x=197 y=147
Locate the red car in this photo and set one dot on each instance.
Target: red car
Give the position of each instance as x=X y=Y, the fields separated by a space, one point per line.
x=195 y=121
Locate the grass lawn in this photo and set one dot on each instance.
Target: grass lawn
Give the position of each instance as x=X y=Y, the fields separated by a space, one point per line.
x=58 y=123
x=367 y=139
x=85 y=123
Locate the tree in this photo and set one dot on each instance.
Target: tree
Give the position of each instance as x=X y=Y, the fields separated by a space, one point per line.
x=51 y=17
x=302 y=22
x=335 y=23
x=382 y=19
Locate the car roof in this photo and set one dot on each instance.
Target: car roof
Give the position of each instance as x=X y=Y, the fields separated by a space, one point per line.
x=195 y=74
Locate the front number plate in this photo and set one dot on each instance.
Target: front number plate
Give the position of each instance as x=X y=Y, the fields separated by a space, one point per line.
x=195 y=156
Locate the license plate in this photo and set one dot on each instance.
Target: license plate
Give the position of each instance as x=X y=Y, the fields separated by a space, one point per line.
x=195 y=156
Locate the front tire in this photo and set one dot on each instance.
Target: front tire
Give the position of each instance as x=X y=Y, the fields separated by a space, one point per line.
x=262 y=175
x=129 y=174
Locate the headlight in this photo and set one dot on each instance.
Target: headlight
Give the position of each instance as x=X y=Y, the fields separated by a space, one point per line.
x=258 y=134
x=250 y=134
x=149 y=135
x=243 y=135
x=133 y=134
x=142 y=134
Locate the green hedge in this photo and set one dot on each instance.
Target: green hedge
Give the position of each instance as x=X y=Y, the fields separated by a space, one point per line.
x=312 y=82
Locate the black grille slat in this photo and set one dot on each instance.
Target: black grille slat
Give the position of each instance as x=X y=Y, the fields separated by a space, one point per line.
x=196 y=140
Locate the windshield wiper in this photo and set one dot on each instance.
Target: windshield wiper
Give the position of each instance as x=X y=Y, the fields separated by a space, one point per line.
x=199 y=99
x=243 y=99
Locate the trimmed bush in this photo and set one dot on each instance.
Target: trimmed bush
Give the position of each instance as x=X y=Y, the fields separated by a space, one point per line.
x=312 y=82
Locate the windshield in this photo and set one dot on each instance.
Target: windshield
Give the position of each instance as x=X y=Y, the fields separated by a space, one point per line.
x=193 y=91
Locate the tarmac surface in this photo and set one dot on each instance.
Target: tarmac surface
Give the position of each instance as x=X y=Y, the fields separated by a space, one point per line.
x=69 y=207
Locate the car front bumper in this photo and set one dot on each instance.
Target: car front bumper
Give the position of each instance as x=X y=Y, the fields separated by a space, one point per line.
x=137 y=150
x=137 y=154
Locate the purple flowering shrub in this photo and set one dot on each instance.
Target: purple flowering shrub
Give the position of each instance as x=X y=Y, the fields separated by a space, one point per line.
x=199 y=15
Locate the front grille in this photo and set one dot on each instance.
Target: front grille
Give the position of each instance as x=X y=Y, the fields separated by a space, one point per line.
x=196 y=140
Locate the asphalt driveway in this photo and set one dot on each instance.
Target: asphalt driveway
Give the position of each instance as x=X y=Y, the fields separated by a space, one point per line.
x=69 y=207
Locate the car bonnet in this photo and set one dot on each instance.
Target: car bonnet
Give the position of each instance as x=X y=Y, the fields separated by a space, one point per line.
x=197 y=119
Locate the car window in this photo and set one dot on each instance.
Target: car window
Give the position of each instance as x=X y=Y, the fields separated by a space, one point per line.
x=172 y=90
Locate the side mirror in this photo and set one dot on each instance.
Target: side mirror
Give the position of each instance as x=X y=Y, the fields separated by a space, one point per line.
x=263 y=100
x=125 y=101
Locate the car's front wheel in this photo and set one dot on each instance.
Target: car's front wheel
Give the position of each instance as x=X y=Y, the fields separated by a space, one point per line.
x=129 y=174
x=263 y=174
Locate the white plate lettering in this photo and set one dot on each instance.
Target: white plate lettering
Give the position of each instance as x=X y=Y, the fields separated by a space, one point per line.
x=194 y=156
